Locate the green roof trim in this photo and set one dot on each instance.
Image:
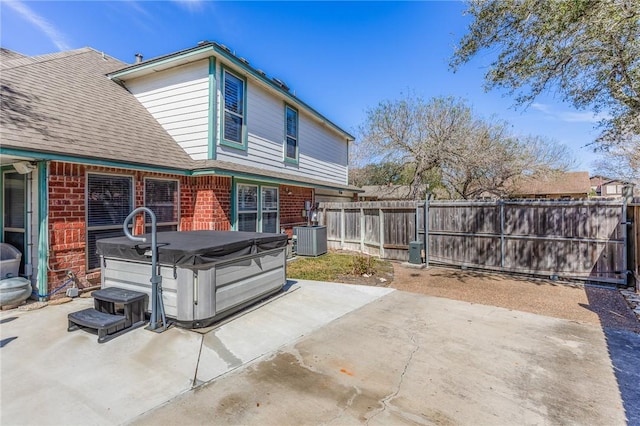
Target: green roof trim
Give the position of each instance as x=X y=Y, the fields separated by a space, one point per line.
x=91 y=161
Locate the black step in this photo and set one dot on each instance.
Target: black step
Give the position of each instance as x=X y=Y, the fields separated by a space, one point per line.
x=107 y=325
x=118 y=295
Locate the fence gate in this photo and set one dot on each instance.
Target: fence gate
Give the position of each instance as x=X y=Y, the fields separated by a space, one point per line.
x=570 y=239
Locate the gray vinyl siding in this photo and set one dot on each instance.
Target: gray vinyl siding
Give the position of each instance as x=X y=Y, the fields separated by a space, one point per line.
x=179 y=99
x=323 y=155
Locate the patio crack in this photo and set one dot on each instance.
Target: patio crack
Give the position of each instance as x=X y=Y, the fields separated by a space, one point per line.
x=387 y=399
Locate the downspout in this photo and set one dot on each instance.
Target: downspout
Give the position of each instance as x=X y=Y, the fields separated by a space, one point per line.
x=43 y=233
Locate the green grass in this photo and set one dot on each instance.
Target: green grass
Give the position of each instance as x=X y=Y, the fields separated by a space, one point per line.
x=327 y=267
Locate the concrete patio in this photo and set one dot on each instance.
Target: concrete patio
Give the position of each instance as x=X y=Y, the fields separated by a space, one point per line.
x=319 y=353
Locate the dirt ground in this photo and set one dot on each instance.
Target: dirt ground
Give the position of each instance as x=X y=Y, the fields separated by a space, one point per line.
x=571 y=301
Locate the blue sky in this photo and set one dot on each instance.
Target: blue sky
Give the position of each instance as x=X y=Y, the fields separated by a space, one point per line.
x=342 y=58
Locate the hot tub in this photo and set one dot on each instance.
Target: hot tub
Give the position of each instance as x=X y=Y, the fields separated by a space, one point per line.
x=206 y=275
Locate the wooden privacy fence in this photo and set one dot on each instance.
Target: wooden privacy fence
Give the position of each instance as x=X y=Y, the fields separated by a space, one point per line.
x=571 y=239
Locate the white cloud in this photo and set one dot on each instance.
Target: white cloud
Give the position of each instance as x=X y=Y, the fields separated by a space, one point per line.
x=580 y=117
x=191 y=5
x=568 y=116
x=541 y=107
x=56 y=37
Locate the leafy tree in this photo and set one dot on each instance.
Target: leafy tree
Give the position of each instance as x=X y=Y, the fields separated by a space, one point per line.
x=441 y=141
x=587 y=50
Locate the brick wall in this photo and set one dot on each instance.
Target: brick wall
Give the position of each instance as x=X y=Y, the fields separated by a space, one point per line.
x=205 y=204
x=292 y=200
x=67 y=237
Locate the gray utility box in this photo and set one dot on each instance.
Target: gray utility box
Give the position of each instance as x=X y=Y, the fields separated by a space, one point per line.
x=312 y=240
x=415 y=252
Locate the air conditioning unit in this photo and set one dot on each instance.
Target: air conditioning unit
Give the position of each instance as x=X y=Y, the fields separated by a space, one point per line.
x=311 y=240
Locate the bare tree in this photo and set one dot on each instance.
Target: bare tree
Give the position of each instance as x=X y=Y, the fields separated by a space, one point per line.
x=621 y=161
x=471 y=156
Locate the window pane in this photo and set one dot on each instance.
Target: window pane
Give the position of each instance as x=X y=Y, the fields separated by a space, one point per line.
x=270 y=198
x=161 y=196
x=292 y=123
x=247 y=198
x=14 y=200
x=248 y=222
x=232 y=127
x=93 y=260
x=109 y=199
x=292 y=146
x=270 y=222
x=161 y=228
x=233 y=93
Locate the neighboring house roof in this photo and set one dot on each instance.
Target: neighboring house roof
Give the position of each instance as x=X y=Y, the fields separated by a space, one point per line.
x=390 y=192
x=8 y=55
x=576 y=183
x=205 y=49
x=603 y=180
x=64 y=104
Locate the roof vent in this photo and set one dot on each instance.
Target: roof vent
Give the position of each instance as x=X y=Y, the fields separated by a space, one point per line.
x=262 y=73
x=244 y=61
x=223 y=47
x=280 y=83
x=138 y=58
x=203 y=42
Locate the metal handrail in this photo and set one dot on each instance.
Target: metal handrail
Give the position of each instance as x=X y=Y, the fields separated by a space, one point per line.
x=156 y=279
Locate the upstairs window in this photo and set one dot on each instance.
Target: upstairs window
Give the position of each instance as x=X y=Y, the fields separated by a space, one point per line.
x=291 y=134
x=234 y=117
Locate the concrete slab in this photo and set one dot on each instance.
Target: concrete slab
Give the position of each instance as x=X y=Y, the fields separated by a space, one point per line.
x=51 y=376
x=412 y=359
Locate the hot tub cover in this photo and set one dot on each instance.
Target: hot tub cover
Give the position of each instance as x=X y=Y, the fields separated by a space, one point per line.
x=192 y=249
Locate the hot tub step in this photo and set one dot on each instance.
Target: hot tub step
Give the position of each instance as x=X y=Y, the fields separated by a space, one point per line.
x=115 y=312
x=108 y=326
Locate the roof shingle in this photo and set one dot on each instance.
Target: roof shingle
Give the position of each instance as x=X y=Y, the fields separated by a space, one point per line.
x=63 y=103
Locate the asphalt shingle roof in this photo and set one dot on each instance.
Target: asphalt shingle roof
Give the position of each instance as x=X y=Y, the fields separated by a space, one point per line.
x=63 y=103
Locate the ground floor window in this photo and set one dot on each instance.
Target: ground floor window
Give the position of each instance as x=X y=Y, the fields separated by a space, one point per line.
x=163 y=198
x=257 y=208
x=109 y=202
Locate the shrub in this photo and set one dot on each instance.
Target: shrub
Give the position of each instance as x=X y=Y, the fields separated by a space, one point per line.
x=363 y=265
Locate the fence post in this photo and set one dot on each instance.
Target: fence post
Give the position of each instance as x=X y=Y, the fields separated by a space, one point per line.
x=342 y=227
x=627 y=193
x=502 y=248
x=381 y=231
x=362 y=230
x=426 y=232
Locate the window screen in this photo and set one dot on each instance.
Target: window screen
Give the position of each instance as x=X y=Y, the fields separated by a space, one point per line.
x=233 y=108
x=247 y=208
x=109 y=202
x=163 y=198
x=291 y=118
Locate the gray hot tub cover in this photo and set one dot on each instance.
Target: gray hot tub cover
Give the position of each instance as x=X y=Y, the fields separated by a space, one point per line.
x=192 y=249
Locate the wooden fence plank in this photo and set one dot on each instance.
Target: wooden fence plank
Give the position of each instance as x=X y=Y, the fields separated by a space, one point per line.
x=566 y=238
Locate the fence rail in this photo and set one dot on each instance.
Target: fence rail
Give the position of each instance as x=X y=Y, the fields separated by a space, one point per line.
x=573 y=239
